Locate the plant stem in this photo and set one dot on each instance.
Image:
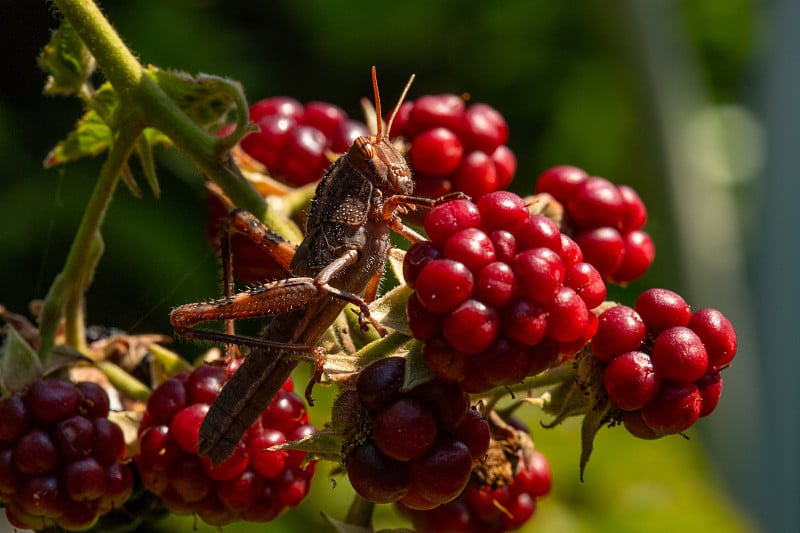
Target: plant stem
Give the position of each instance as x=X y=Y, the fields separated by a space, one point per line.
x=66 y=292
x=360 y=512
x=143 y=103
x=136 y=88
x=554 y=376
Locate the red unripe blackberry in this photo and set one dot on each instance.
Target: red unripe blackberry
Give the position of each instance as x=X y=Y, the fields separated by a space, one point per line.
x=433 y=110
x=470 y=246
x=603 y=247
x=571 y=253
x=293 y=140
x=631 y=381
x=454 y=147
x=323 y=116
x=538 y=231
x=679 y=355
x=637 y=256
x=445 y=362
x=436 y=152
x=485 y=128
x=634 y=212
x=587 y=282
x=569 y=316
x=276 y=105
x=636 y=426
x=417 y=256
x=718 y=336
x=496 y=285
x=471 y=327
x=620 y=329
x=476 y=175
x=422 y=323
x=505 y=245
x=676 y=407
x=444 y=284
x=541 y=273
x=505 y=363
x=502 y=210
x=710 y=387
x=498 y=275
x=560 y=181
x=525 y=322
x=446 y=219
x=596 y=202
x=505 y=164
x=268 y=480
x=661 y=309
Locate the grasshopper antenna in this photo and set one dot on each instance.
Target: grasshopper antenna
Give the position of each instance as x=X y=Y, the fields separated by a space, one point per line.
x=379 y=116
x=399 y=103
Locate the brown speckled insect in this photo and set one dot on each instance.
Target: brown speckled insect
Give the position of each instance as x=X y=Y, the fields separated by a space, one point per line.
x=342 y=256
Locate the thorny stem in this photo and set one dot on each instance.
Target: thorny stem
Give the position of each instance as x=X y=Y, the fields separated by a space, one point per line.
x=66 y=292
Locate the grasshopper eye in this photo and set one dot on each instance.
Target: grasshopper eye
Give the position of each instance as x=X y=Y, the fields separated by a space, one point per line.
x=365 y=148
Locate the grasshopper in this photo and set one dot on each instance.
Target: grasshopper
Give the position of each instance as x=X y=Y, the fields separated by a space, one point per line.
x=342 y=256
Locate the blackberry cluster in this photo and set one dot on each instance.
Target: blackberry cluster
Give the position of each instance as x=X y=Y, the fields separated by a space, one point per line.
x=421 y=445
x=663 y=362
x=500 y=496
x=498 y=293
x=60 y=456
x=296 y=140
x=604 y=219
x=455 y=147
x=254 y=484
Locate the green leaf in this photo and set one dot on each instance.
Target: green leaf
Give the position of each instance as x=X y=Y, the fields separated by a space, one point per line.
x=92 y=134
x=62 y=358
x=323 y=444
x=19 y=366
x=208 y=100
x=390 y=309
x=599 y=416
x=144 y=151
x=417 y=371
x=90 y=137
x=67 y=61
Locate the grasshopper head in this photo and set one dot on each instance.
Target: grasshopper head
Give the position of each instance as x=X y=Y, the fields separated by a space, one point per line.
x=380 y=162
x=376 y=157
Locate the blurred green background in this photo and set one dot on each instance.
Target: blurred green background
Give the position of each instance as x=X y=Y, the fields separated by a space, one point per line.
x=676 y=98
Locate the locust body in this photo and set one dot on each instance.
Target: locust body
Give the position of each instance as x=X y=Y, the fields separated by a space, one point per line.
x=344 y=250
